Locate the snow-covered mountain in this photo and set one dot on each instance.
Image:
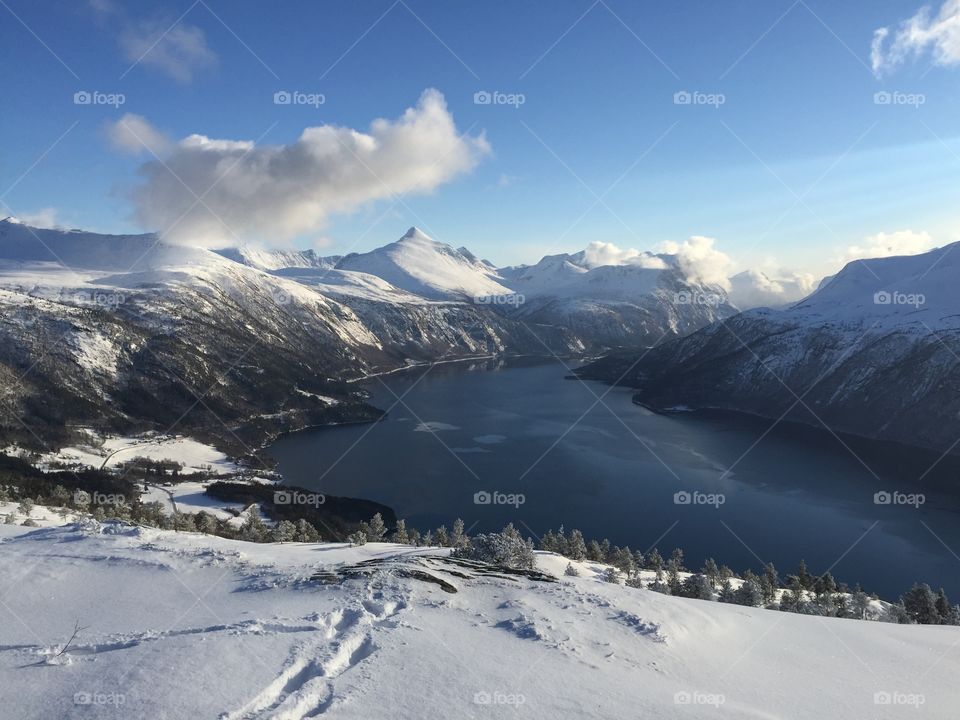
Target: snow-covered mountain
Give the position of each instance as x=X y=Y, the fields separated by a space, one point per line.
x=127 y=331
x=422 y=266
x=875 y=351
x=632 y=304
x=182 y=625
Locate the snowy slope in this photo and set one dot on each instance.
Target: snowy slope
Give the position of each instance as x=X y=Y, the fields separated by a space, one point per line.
x=178 y=625
x=422 y=266
x=264 y=259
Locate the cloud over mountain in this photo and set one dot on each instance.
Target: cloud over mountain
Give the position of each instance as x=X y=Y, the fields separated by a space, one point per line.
x=214 y=191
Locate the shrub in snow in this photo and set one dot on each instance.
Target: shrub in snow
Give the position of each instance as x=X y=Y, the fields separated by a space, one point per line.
x=26 y=507
x=357 y=538
x=611 y=575
x=507 y=548
x=30 y=522
x=571 y=571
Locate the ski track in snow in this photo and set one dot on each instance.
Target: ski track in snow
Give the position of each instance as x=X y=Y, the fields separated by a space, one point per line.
x=305 y=688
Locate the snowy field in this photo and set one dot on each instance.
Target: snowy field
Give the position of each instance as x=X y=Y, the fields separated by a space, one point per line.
x=179 y=625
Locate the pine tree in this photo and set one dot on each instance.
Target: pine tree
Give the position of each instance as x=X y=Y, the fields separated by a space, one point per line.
x=357 y=538
x=415 y=538
x=697 y=587
x=594 y=551
x=771 y=574
x=944 y=609
x=443 y=537
x=806 y=579
x=711 y=571
x=576 y=548
x=375 y=530
x=748 y=594
x=427 y=539
x=677 y=558
x=859 y=602
x=284 y=531
x=459 y=538
x=306 y=533
x=655 y=560
x=727 y=592
x=548 y=542
x=400 y=532
x=26 y=506
x=921 y=605
x=253 y=529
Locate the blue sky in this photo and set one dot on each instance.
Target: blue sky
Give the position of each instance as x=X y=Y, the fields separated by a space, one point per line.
x=797 y=164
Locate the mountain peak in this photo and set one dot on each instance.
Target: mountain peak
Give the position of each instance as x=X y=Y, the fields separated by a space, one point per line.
x=415 y=233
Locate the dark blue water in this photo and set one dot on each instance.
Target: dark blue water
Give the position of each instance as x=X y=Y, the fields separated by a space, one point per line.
x=612 y=469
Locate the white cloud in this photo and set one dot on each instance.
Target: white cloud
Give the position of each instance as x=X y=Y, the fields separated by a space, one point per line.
x=753 y=288
x=134 y=135
x=603 y=253
x=901 y=242
x=700 y=261
x=940 y=34
x=179 y=51
x=279 y=191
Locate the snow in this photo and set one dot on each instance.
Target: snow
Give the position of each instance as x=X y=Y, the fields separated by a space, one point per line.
x=194 y=456
x=180 y=625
